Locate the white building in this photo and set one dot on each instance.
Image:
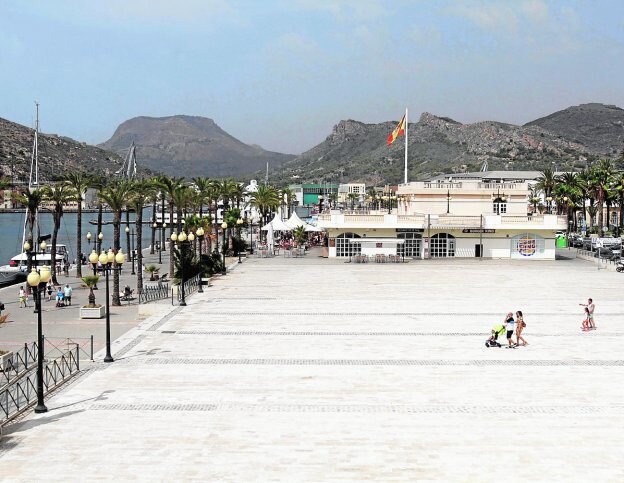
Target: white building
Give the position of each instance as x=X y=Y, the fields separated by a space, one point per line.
x=344 y=190
x=435 y=219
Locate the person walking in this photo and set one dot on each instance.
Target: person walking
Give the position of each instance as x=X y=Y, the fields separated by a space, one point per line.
x=49 y=289
x=520 y=325
x=590 y=308
x=585 y=323
x=23 y=297
x=68 y=294
x=510 y=324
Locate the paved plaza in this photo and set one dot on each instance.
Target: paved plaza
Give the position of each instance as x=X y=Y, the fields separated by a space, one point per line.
x=318 y=370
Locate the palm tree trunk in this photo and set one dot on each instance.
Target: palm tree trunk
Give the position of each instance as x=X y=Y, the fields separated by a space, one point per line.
x=153 y=228
x=57 y=225
x=139 y=251
x=117 y=245
x=99 y=228
x=79 y=240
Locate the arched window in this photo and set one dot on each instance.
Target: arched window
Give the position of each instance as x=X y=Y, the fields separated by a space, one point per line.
x=344 y=246
x=499 y=205
x=442 y=245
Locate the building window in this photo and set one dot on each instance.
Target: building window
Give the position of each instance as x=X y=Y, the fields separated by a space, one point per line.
x=614 y=218
x=500 y=206
x=527 y=245
x=442 y=245
x=344 y=246
x=412 y=245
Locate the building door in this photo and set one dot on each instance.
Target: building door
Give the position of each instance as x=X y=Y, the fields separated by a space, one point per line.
x=412 y=246
x=442 y=245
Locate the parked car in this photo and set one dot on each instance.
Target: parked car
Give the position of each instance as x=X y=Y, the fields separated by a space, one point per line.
x=602 y=252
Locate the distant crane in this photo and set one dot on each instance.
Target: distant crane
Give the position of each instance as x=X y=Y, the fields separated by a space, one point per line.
x=128 y=169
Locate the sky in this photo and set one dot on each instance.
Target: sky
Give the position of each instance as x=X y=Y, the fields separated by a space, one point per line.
x=282 y=73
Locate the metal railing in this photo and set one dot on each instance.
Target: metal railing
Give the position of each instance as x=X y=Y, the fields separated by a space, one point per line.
x=18 y=362
x=190 y=286
x=21 y=393
x=153 y=293
x=56 y=346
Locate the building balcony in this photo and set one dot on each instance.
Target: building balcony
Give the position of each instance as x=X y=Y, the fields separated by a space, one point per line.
x=375 y=219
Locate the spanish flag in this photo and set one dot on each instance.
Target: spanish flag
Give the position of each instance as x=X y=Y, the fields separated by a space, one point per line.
x=400 y=129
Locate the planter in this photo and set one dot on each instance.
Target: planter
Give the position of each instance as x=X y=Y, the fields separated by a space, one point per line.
x=92 y=312
x=5 y=360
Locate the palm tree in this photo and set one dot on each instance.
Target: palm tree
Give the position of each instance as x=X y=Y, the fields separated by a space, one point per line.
x=59 y=195
x=79 y=182
x=141 y=191
x=31 y=199
x=618 y=187
x=203 y=187
x=266 y=199
x=604 y=173
x=546 y=184
x=352 y=197
x=116 y=195
x=98 y=183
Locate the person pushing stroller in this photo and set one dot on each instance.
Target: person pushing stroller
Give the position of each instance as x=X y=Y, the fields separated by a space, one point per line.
x=498 y=329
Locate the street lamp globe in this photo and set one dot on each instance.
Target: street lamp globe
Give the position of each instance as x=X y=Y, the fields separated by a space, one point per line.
x=182 y=237
x=120 y=258
x=45 y=275
x=155 y=225
x=89 y=236
x=200 y=231
x=190 y=237
x=127 y=230
x=26 y=246
x=101 y=236
x=239 y=221
x=110 y=256
x=224 y=225
x=174 y=237
x=43 y=246
x=93 y=257
x=103 y=259
x=33 y=278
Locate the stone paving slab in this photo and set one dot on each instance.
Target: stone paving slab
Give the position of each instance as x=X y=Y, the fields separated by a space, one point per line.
x=316 y=370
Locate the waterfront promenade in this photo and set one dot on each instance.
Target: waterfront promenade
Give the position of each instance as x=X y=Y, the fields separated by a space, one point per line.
x=311 y=369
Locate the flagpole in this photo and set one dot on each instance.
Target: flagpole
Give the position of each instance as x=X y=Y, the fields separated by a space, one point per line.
x=406 y=129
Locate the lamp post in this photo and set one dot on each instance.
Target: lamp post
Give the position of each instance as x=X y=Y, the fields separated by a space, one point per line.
x=89 y=236
x=448 y=201
x=38 y=281
x=110 y=261
x=224 y=226
x=200 y=238
x=182 y=243
x=100 y=238
x=548 y=206
x=320 y=202
x=239 y=222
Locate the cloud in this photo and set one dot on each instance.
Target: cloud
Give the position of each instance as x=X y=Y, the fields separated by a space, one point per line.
x=345 y=10
x=535 y=10
x=493 y=17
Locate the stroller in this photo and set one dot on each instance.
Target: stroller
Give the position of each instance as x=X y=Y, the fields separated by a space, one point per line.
x=60 y=299
x=496 y=331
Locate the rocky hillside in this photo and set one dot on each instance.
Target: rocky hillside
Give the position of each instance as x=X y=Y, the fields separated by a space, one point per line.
x=190 y=146
x=358 y=152
x=597 y=126
x=57 y=154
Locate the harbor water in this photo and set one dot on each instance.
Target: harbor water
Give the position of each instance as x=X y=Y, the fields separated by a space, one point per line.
x=12 y=227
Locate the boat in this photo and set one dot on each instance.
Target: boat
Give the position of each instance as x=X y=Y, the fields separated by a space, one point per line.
x=16 y=270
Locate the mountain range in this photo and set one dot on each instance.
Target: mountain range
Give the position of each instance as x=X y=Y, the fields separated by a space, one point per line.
x=190 y=146
x=57 y=155
x=354 y=151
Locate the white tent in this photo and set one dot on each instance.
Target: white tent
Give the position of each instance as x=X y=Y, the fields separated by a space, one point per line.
x=277 y=225
x=294 y=221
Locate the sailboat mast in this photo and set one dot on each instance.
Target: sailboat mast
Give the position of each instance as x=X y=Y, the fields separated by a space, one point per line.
x=34 y=160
